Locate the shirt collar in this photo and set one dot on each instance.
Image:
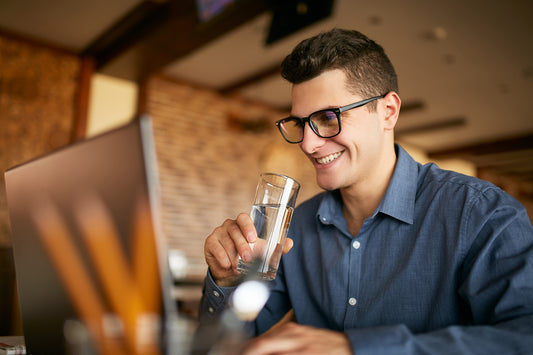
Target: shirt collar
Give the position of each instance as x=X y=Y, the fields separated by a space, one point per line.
x=399 y=199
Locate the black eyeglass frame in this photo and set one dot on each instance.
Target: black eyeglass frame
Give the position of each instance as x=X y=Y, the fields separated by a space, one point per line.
x=337 y=112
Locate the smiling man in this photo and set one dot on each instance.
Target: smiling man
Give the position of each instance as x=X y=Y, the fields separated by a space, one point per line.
x=394 y=257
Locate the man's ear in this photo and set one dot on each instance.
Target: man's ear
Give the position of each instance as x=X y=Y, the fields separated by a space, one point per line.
x=392 y=103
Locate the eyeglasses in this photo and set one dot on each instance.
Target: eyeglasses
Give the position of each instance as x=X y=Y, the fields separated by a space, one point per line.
x=325 y=123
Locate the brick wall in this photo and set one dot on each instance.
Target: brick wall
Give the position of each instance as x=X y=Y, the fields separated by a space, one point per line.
x=38 y=87
x=211 y=150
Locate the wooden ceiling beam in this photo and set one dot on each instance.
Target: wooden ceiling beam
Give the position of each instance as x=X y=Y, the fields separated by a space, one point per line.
x=131 y=28
x=157 y=33
x=524 y=142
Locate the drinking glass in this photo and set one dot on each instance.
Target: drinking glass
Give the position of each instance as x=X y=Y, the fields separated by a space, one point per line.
x=272 y=209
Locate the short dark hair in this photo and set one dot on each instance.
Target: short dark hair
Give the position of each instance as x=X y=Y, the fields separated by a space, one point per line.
x=367 y=67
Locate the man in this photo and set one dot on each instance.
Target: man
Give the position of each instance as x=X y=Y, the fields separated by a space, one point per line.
x=394 y=257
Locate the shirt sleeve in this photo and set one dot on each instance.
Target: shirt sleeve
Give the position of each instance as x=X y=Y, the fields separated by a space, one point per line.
x=496 y=285
x=511 y=337
x=219 y=327
x=214 y=300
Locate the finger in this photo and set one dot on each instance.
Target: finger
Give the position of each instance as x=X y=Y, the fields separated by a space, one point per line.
x=231 y=251
x=247 y=227
x=292 y=338
x=242 y=233
x=289 y=243
x=216 y=255
x=230 y=242
x=219 y=263
x=260 y=244
x=280 y=341
x=220 y=246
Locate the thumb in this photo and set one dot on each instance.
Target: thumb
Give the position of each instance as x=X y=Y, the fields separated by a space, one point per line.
x=288 y=245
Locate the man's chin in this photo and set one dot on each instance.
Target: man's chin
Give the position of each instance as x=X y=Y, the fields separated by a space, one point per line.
x=326 y=185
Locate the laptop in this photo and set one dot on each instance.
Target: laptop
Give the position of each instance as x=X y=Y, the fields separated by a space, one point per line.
x=90 y=261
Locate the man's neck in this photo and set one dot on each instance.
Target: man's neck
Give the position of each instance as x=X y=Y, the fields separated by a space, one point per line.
x=361 y=200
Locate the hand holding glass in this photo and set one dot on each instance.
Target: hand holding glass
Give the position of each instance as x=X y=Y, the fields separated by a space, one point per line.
x=274 y=202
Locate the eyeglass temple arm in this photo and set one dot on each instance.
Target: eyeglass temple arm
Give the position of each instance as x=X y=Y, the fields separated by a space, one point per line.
x=360 y=103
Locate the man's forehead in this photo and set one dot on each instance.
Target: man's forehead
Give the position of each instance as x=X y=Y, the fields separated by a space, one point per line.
x=328 y=90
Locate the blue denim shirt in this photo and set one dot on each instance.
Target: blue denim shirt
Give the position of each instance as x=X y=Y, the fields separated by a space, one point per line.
x=443 y=265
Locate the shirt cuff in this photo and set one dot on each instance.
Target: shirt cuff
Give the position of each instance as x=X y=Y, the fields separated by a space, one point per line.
x=215 y=298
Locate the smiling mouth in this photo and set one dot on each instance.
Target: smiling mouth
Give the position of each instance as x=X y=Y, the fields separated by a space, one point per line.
x=329 y=158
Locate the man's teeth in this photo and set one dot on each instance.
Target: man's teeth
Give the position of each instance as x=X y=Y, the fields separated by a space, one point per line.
x=329 y=158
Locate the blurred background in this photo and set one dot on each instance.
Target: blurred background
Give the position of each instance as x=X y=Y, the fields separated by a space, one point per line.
x=207 y=72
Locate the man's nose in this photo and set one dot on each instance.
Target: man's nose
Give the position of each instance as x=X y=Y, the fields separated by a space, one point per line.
x=311 y=141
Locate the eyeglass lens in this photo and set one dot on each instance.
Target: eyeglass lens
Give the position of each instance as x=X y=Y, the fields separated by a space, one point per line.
x=324 y=123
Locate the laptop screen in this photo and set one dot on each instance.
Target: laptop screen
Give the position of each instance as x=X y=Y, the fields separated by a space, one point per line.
x=90 y=262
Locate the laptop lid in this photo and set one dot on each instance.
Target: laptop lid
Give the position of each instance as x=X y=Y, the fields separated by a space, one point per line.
x=90 y=262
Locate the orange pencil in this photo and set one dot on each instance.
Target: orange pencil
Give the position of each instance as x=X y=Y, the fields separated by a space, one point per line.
x=111 y=264
x=57 y=241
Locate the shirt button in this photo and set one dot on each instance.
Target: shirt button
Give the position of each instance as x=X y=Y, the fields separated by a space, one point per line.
x=210 y=309
x=352 y=301
x=356 y=244
x=216 y=293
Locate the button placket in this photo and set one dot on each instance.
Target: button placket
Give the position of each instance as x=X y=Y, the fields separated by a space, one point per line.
x=356 y=245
